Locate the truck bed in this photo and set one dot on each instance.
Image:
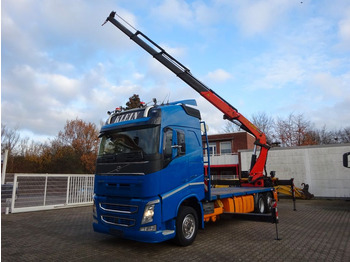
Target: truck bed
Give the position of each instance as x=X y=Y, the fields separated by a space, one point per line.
x=225 y=192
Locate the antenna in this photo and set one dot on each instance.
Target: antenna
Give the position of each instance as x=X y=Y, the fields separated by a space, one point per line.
x=166 y=98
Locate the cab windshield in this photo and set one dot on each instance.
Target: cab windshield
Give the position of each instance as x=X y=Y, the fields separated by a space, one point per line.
x=130 y=145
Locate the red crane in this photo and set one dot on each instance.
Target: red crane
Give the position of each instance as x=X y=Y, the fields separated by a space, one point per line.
x=257 y=167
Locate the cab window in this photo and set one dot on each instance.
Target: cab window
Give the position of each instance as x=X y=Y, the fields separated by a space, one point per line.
x=181 y=142
x=167 y=143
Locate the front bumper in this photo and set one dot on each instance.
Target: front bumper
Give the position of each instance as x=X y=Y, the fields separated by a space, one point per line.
x=141 y=236
x=122 y=218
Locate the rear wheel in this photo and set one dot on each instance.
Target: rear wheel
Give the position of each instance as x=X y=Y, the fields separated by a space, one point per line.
x=268 y=202
x=260 y=206
x=186 y=226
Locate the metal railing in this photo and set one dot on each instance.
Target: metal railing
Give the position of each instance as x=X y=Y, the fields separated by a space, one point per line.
x=223 y=159
x=34 y=192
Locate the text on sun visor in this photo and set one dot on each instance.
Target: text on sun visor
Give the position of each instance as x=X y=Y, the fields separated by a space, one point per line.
x=127 y=116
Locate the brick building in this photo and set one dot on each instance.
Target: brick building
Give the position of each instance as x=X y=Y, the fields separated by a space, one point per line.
x=223 y=150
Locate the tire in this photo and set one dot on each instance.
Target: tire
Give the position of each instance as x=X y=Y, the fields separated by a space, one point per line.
x=260 y=205
x=268 y=202
x=186 y=226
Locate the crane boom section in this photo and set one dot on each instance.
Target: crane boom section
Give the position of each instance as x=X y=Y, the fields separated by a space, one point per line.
x=230 y=112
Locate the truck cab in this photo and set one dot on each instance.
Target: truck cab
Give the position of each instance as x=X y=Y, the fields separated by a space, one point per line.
x=150 y=162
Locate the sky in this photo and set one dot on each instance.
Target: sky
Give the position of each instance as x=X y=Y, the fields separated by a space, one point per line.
x=263 y=56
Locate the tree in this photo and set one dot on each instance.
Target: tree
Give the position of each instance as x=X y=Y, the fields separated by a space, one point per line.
x=230 y=127
x=343 y=135
x=60 y=158
x=30 y=158
x=266 y=124
x=134 y=102
x=319 y=137
x=261 y=120
x=9 y=138
x=292 y=131
x=312 y=137
x=83 y=139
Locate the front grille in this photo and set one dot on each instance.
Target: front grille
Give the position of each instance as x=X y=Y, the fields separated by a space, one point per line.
x=118 y=221
x=119 y=208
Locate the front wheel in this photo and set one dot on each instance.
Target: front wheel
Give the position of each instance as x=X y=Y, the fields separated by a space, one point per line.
x=186 y=226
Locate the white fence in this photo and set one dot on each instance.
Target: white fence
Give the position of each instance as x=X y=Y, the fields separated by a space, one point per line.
x=34 y=192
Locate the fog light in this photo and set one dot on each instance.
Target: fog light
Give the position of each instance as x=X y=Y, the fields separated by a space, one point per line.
x=149 y=228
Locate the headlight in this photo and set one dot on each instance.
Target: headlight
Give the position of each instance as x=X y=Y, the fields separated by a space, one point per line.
x=149 y=212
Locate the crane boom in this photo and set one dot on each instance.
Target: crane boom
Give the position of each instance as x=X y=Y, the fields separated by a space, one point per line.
x=257 y=167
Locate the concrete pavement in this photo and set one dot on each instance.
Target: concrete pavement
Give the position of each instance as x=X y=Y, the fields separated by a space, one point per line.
x=318 y=231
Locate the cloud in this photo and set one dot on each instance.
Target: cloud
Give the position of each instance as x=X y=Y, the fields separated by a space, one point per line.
x=51 y=68
x=334 y=117
x=33 y=100
x=344 y=31
x=206 y=13
x=174 y=11
x=256 y=17
x=277 y=73
x=219 y=75
x=251 y=16
x=187 y=14
x=330 y=85
x=58 y=63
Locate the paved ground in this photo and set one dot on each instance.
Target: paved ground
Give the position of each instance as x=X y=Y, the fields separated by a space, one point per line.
x=318 y=231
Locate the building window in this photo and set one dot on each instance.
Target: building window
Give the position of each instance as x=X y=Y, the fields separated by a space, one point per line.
x=225 y=148
x=212 y=149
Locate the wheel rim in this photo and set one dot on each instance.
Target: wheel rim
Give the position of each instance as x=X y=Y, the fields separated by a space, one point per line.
x=269 y=202
x=188 y=226
x=261 y=205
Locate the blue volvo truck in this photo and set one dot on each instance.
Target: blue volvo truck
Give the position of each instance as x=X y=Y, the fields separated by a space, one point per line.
x=150 y=182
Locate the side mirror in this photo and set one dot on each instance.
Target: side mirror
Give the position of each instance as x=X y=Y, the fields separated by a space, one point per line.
x=346 y=159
